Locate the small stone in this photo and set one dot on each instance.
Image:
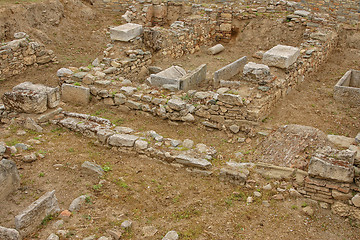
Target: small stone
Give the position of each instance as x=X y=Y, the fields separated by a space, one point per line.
x=267 y=187
x=76 y=203
x=21 y=146
x=116 y=235
x=308 y=210
x=234 y=128
x=53 y=236
x=9 y=234
x=278 y=197
x=294 y=193
x=356 y=200
x=126 y=224
x=357 y=138
x=172 y=235
x=257 y=194
x=21 y=133
x=266 y=203
x=249 y=200
x=141 y=144
x=149 y=231
x=58 y=224
x=30 y=158
x=324 y=205
x=187 y=143
x=93 y=168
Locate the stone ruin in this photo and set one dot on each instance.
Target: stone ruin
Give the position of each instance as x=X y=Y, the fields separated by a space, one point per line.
x=237 y=97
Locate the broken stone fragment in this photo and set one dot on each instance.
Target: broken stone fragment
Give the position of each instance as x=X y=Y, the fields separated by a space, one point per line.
x=9 y=234
x=171 y=235
x=9 y=178
x=281 y=56
x=77 y=203
x=93 y=168
x=126 y=32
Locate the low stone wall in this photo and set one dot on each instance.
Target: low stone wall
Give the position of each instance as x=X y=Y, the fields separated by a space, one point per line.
x=19 y=54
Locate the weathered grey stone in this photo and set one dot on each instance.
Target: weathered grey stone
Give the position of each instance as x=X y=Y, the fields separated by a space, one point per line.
x=202 y=95
x=128 y=90
x=104 y=134
x=193 y=162
x=302 y=13
x=32 y=125
x=126 y=224
x=256 y=71
x=119 y=99
x=209 y=124
x=341 y=141
x=194 y=78
x=234 y=128
x=172 y=235
x=347 y=89
x=281 y=56
x=9 y=178
x=110 y=70
x=92 y=168
x=47 y=116
x=154 y=69
x=332 y=167
x=188 y=118
x=25 y=101
x=89 y=79
x=157 y=137
x=176 y=104
x=267 y=187
x=234 y=175
x=231 y=99
x=122 y=140
x=75 y=94
x=141 y=144
x=229 y=70
x=76 y=203
x=216 y=49
x=53 y=236
x=64 y=72
x=337 y=195
x=149 y=231
x=53 y=94
x=79 y=75
x=126 y=32
x=124 y=130
x=308 y=210
x=30 y=158
x=20 y=35
x=357 y=138
x=187 y=143
x=28 y=220
x=9 y=234
x=171 y=76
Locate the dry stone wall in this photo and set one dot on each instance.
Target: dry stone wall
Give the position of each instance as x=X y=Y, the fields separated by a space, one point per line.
x=16 y=56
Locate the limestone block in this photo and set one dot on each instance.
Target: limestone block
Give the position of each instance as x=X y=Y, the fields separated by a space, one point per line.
x=9 y=178
x=122 y=140
x=281 y=56
x=75 y=94
x=216 y=49
x=126 y=32
x=29 y=219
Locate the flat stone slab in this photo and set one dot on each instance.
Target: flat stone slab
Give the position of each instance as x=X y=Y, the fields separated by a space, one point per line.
x=194 y=78
x=9 y=178
x=347 y=89
x=122 y=140
x=230 y=70
x=193 y=162
x=302 y=13
x=92 y=168
x=9 y=234
x=281 y=56
x=169 y=76
x=126 y=32
x=28 y=220
x=75 y=94
x=332 y=164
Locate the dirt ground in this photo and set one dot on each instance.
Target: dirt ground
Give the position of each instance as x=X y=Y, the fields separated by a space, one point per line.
x=151 y=193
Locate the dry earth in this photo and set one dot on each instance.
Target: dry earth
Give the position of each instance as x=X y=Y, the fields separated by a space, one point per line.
x=151 y=193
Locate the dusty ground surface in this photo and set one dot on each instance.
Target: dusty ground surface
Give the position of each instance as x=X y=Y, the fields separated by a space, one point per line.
x=151 y=193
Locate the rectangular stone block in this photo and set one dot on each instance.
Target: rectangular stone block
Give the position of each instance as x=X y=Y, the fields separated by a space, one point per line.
x=122 y=140
x=29 y=219
x=126 y=32
x=193 y=79
x=193 y=162
x=25 y=101
x=75 y=94
x=169 y=76
x=229 y=70
x=9 y=178
x=281 y=56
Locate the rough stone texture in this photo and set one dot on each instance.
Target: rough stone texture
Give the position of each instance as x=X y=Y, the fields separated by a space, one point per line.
x=9 y=234
x=193 y=79
x=231 y=99
x=75 y=94
x=287 y=145
x=341 y=141
x=236 y=175
x=176 y=104
x=169 y=76
x=76 y=203
x=122 y=140
x=31 y=124
x=281 y=56
x=172 y=235
x=32 y=216
x=25 y=101
x=333 y=164
x=9 y=178
x=357 y=138
x=193 y=162
x=230 y=70
x=92 y=168
x=356 y=200
x=141 y=144
x=126 y=32
x=53 y=94
x=345 y=210
x=53 y=236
